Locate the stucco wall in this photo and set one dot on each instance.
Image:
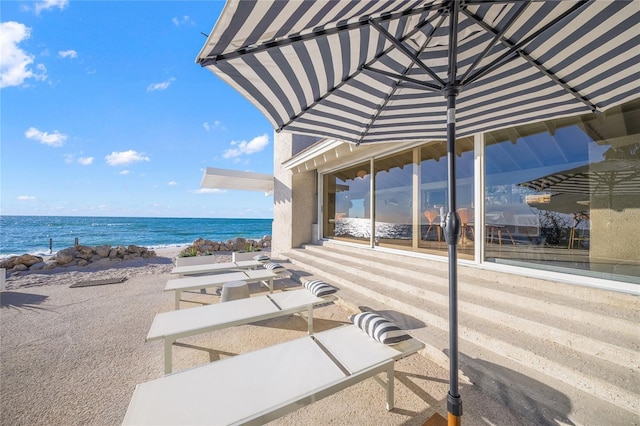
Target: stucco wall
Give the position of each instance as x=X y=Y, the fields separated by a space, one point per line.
x=614 y=224
x=294 y=196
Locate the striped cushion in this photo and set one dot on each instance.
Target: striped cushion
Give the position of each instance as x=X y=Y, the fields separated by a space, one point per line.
x=261 y=257
x=380 y=328
x=276 y=268
x=319 y=288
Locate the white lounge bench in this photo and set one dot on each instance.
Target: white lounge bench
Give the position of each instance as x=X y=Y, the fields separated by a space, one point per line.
x=175 y=325
x=212 y=268
x=257 y=387
x=208 y=281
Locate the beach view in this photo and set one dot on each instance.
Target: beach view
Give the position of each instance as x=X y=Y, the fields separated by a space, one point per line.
x=320 y=213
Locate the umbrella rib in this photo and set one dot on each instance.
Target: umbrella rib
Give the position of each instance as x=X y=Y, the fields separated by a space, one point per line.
x=320 y=32
x=397 y=43
x=513 y=47
x=422 y=84
x=402 y=49
x=522 y=7
x=517 y=49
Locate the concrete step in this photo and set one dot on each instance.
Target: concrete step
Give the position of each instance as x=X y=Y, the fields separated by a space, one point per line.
x=577 y=345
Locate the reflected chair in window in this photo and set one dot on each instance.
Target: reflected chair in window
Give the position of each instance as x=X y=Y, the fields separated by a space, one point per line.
x=467 y=228
x=580 y=230
x=495 y=228
x=431 y=216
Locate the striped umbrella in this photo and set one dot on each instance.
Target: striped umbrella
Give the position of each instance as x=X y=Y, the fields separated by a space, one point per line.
x=419 y=70
x=609 y=177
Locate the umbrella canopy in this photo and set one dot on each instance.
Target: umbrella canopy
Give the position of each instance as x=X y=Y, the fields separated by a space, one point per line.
x=375 y=71
x=383 y=71
x=608 y=177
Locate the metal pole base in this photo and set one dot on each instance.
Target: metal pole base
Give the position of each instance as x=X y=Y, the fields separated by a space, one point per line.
x=454 y=408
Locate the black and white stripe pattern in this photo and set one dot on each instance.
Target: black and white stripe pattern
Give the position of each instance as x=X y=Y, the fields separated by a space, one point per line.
x=320 y=67
x=608 y=177
x=261 y=258
x=276 y=268
x=319 y=288
x=380 y=328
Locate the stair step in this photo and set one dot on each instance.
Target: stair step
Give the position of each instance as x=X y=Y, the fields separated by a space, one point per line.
x=575 y=341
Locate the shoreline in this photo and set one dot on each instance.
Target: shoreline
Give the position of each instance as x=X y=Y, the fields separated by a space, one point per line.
x=161 y=264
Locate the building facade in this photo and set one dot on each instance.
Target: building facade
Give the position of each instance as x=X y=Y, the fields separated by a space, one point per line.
x=558 y=199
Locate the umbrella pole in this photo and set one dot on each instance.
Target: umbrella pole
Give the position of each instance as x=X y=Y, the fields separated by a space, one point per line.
x=452 y=222
x=452 y=236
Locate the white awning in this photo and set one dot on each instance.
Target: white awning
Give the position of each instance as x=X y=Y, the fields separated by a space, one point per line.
x=235 y=179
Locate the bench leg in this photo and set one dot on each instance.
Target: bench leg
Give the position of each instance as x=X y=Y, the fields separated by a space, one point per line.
x=168 y=355
x=388 y=385
x=310 y=320
x=178 y=294
x=390 y=388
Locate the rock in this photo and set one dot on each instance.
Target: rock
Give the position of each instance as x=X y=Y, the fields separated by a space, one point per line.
x=8 y=263
x=136 y=249
x=84 y=250
x=239 y=244
x=66 y=256
x=51 y=264
x=37 y=266
x=27 y=260
x=83 y=262
x=103 y=251
x=20 y=267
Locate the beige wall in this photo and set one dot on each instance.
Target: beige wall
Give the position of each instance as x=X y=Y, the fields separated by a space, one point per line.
x=614 y=228
x=294 y=197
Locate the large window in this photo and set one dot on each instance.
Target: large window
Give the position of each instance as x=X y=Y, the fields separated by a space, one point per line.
x=394 y=200
x=565 y=195
x=434 y=195
x=562 y=195
x=346 y=204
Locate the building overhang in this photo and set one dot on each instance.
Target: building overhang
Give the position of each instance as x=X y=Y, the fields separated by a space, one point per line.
x=237 y=180
x=329 y=153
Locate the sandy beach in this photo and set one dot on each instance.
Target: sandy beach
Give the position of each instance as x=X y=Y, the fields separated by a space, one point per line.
x=72 y=356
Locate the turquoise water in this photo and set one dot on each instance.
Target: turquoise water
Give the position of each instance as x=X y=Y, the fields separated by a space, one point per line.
x=31 y=234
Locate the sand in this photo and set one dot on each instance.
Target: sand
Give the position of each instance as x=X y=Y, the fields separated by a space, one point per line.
x=72 y=356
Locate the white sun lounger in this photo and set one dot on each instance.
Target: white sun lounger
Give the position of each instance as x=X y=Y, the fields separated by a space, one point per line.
x=257 y=387
x=175 y=325
x=208 y=281
x=212 y=268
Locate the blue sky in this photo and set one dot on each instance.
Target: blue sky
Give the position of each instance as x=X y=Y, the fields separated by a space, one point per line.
x=104 y=112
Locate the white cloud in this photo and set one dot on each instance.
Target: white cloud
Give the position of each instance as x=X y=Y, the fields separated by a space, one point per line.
x=256 y=144
x=160 y=86
x=26 y=197
x=15 y=63
x=124 y=172
x=182 y=21
x=50 y=4
x=71 y=158
x=207 y=191
x=172 y=183
x=215 y=125
x=68 y=54
x=52 y=139
x=125 y=158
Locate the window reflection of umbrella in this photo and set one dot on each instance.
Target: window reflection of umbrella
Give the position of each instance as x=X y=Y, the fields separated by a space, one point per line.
x=609 y=177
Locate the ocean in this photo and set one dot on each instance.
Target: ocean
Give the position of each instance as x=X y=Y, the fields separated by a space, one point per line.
x=31 y=234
